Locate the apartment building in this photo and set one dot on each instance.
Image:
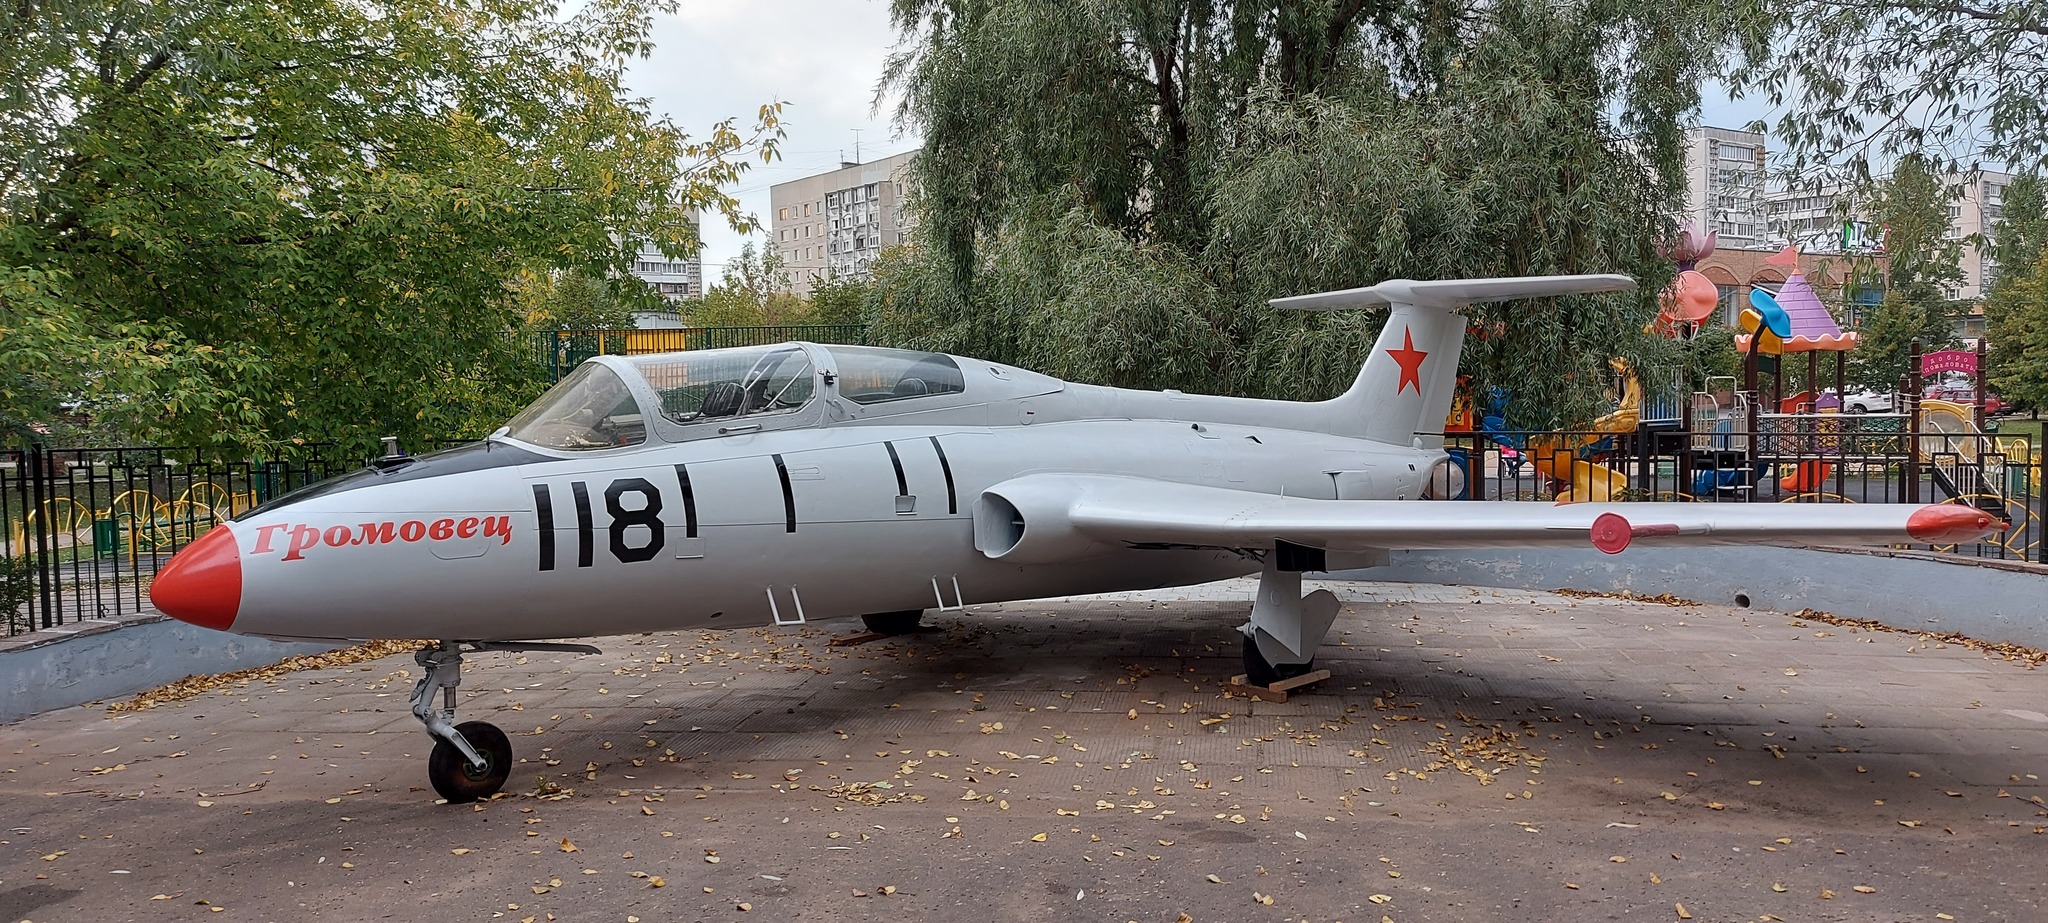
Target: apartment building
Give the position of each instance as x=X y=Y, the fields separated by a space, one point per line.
x=1973 y=218
x=834 y=225
x=674 y=279
x=1828 y=219
x=1725 y=185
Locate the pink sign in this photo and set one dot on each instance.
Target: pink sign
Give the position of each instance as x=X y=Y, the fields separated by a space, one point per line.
x=1948 y=360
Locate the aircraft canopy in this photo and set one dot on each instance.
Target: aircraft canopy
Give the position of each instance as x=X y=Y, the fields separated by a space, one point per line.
x=725 y=384
x=590 y=409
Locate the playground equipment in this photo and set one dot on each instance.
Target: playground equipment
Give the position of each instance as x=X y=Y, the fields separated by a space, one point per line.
x=134 y=522
x=1568 y=459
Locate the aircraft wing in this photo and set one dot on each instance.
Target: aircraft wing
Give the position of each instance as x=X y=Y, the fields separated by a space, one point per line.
x=1047 y=517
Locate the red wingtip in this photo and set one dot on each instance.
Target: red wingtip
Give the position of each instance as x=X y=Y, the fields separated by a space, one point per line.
x=1611 y=533
x=1948 y=524
x=203 y=583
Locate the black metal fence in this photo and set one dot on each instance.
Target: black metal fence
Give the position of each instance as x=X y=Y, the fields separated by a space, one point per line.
x=88 y=528
x=1790 y=458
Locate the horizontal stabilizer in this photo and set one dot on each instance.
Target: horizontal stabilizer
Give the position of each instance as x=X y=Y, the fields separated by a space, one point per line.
x=1452 y=293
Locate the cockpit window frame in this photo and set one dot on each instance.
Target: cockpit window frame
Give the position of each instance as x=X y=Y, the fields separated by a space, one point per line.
x=632 y=428
x=809 y=413
x=943 y=381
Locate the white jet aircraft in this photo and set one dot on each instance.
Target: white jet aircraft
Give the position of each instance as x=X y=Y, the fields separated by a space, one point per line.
x=785 y=484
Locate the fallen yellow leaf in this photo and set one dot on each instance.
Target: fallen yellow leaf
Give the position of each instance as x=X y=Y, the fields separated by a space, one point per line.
x=1683 y=913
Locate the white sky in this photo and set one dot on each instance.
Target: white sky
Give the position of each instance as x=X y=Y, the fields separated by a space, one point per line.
x=717 y=59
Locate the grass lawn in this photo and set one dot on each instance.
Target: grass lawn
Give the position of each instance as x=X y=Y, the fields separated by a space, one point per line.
x=2020 y=426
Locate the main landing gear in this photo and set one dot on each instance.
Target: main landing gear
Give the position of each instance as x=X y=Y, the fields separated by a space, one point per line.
x=1286 y=627
x=471 y=760
x=893 y=623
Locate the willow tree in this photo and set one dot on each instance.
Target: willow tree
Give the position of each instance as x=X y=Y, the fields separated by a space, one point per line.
x=1112 y=189
x=240 y=221
x=1863 y=82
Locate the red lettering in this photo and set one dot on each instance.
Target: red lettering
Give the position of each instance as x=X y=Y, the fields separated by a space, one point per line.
x=467 y=528
x=263 y=536
x=412 y=530
x=303 y=537
x=377 y=533
x=337 y=536
x=500 y=526
x=442 y=530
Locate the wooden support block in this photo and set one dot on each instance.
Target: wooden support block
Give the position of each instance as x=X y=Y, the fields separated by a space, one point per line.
x=851 y=640
x=1276 y=692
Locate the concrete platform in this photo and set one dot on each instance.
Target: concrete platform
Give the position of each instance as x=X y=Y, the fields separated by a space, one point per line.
x=1478 y=755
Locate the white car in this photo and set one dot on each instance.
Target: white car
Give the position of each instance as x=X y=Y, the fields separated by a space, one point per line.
x=1866 y=401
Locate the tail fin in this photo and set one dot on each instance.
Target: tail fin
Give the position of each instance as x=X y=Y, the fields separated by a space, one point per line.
x=1406 y=385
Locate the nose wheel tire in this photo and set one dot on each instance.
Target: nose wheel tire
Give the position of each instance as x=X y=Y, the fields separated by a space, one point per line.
x=460 y=782
x=893 y=623
x=1260 y=672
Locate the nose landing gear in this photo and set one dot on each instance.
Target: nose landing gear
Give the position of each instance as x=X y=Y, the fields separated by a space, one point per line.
x=471 y=760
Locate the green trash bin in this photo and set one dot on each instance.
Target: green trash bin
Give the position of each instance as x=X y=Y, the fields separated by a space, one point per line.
x=106 y=537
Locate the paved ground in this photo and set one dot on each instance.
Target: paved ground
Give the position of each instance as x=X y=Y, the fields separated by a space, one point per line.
x=1479 y=755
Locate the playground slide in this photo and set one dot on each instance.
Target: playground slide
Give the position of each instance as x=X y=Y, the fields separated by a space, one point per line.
x=1810 y=475
x=1560 y=457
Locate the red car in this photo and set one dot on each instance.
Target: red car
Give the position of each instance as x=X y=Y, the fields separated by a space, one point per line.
x=1962 y=392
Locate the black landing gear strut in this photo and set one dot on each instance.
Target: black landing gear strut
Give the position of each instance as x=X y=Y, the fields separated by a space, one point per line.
x=471 y=760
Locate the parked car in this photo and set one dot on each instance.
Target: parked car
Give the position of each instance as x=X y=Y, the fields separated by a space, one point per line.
x=1866 y=401
x=1962 y=392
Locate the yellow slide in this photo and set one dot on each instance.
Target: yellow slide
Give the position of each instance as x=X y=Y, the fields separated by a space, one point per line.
x=1556 y=456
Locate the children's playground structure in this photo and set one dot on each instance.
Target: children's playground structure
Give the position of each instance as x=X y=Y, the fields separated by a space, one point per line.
x=1751 y=439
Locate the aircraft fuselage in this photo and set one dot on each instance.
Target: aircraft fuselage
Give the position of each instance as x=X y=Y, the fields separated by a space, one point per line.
x=742 y=530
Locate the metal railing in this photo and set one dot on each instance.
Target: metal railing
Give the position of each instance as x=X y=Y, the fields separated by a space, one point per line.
x=92 y=526
x=566 y=349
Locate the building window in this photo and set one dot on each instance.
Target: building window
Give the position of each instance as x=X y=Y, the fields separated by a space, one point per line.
x=782 y=214
x=807 y=209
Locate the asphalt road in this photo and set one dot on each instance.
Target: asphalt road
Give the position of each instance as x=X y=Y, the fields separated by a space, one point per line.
x=1478 y=755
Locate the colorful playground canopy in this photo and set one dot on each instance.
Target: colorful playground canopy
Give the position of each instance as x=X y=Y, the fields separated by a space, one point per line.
x=1813 y=328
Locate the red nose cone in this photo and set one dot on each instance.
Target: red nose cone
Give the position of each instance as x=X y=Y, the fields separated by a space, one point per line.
x=1948 y=524
x=203 y=583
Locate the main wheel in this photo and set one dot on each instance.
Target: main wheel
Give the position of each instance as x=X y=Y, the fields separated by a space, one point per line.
x=1258 y=672
x=460 y=782
x=893 y=623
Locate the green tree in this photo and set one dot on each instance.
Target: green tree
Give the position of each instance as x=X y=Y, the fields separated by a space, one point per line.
x=1922 y=263
x=573 y=299
x=2022 y=232
x=753 y=290
x=1882 y=356
x=2016 y=310
x=1912 y=206
x=839 y=301
x=1111 y=191
x=1867 y=81
x=242 y=221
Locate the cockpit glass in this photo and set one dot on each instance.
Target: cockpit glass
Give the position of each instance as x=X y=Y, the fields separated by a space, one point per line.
x=870 y=375
x=590 y=409
x=725 y=384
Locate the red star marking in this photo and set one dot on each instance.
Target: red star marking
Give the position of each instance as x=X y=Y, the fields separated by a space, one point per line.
x=1410 y=360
